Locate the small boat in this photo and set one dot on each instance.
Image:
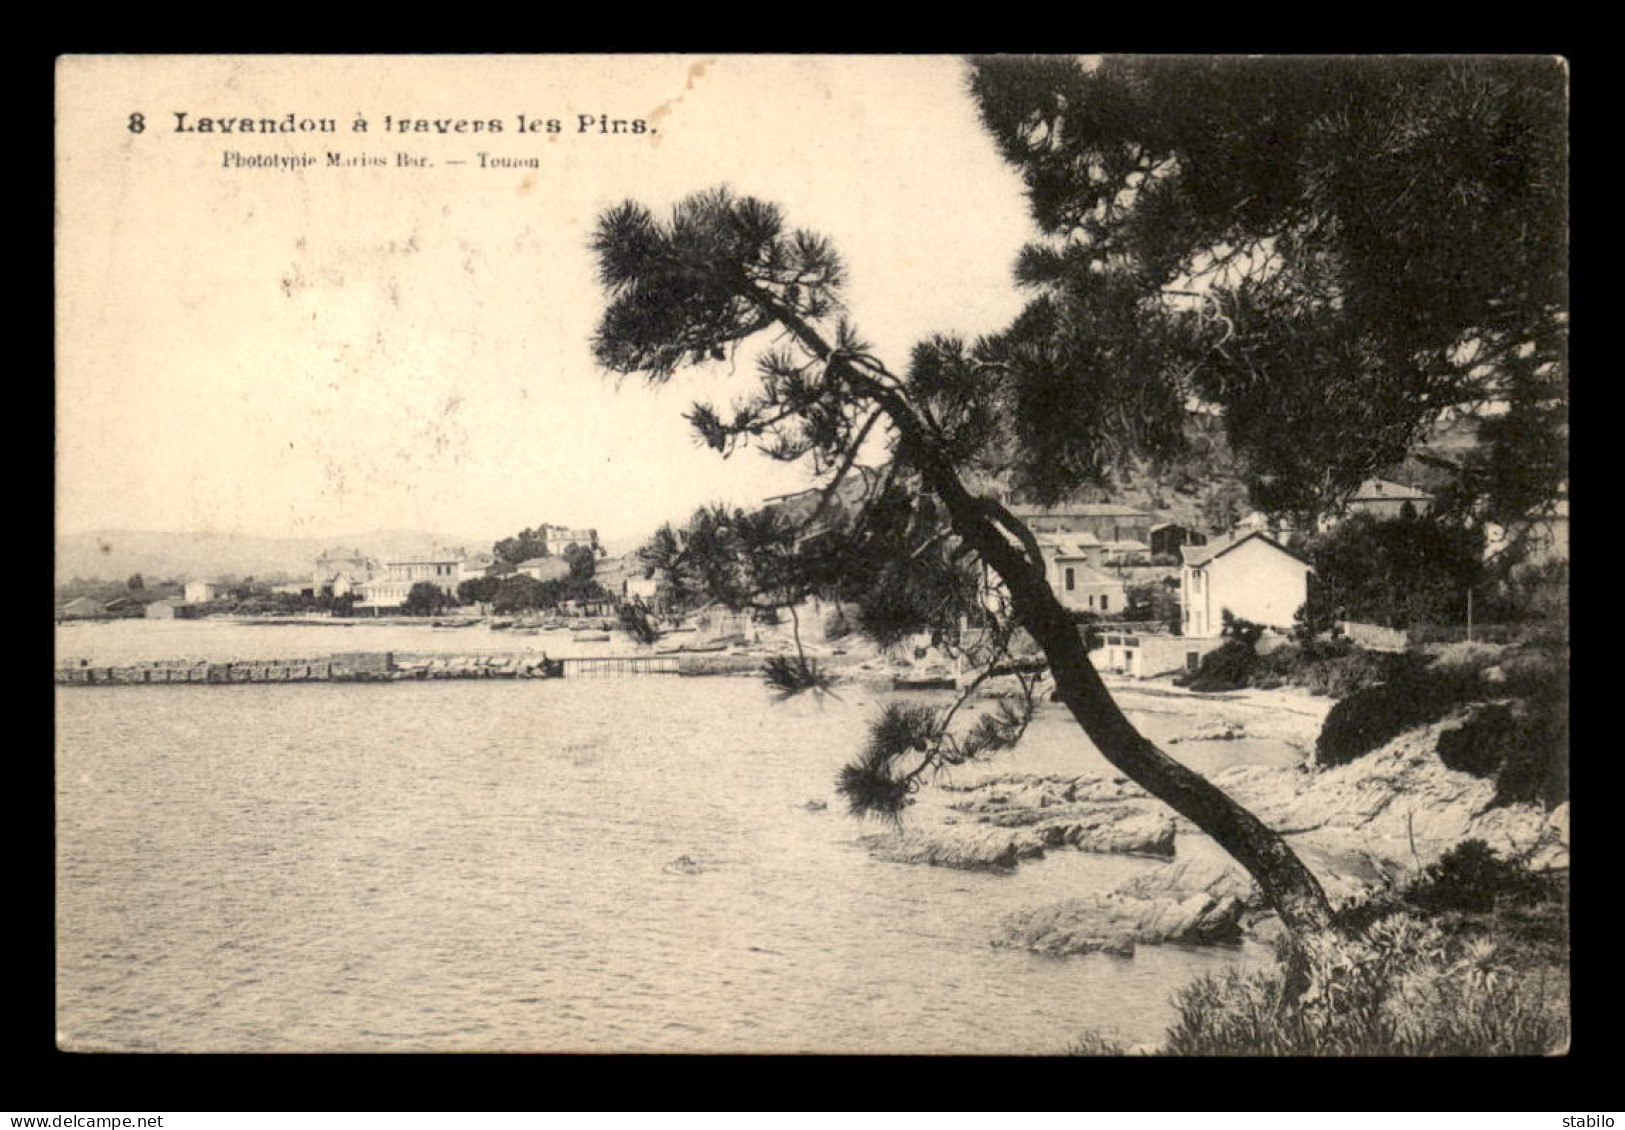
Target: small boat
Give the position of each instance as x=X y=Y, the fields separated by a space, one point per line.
x=590 y=639
x=718 y=646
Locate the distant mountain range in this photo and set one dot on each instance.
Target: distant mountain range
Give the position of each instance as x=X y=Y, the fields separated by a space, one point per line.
x=115 y=554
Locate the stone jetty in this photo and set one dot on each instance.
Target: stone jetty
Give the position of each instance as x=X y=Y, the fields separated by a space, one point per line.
x=347 y=667
x=386 y=666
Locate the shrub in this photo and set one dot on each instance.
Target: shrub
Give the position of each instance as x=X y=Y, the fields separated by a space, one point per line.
x=1357 y=670
x=1471 y=877
x=1405 y=988
x=1536 y=668
x=1225 y=668
x=1096 y=1044
x=1278 y=665
x=1235 y=628
x=1374 y=713
x=1535 y=754
x=1473 y=893
x=1464 y=656
x=1522 y=743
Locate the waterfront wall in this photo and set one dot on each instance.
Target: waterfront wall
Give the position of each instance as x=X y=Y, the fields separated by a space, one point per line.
x=387 y=666
x=345 y=667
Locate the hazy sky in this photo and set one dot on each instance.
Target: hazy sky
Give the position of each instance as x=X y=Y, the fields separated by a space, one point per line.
x=330 y=349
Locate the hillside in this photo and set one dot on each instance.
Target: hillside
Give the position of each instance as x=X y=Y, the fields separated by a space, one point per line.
x=115 y=554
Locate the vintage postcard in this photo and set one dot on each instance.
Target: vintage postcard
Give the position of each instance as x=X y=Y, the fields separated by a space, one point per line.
x=811 y=554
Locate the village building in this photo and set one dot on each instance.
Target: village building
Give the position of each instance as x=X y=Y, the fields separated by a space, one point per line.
x=167 y=610
x=556 y=539
x=1107 y=521
x=1276 y=526
x=125 y=606
x=1127 y=554
x=641 y=588
x=1145 y=655
x=1248 y=574
x=475 y=565
x=1384 y=499
x=544 y=568
x=202 y=592
x=1167 y=538
x=391 y=589
x=1072 y=569
x=339 y=572
x=82 y=608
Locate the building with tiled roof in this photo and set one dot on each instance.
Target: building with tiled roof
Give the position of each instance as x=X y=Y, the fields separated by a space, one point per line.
x=1248 y=574
x=1382 y=498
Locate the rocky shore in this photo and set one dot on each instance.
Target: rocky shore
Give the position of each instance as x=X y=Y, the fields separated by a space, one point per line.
x=1357 y=826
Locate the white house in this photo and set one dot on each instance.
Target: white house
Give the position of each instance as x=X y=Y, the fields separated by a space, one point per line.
x=556 y=539
x=639 y=587
x=201 y=592
x=1249 y=574
x=1072 y=574
x=400 y=574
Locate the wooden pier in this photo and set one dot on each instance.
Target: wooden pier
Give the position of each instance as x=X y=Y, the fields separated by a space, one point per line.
x=602 y=665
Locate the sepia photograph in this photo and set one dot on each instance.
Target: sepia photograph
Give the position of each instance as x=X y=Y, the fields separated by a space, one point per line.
x=1046 y=555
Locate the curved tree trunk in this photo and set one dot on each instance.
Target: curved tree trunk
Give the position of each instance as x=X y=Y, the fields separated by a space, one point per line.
x=988 y=528
x=1289 y=886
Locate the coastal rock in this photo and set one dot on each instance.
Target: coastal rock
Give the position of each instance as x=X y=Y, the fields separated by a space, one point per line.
x=1212 y=874
x=1087 y=813
x=1222 y=730
x=970 y=848
x=1399 y=805
x=1206 y=870
x=1117 y=924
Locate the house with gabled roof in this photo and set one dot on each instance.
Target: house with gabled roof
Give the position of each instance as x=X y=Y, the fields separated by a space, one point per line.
x=1382 y=498
x=1248 y=574
x=1072 y=569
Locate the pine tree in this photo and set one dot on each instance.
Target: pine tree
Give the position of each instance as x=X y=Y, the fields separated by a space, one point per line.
x=724 y=269
x=1338 y=253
